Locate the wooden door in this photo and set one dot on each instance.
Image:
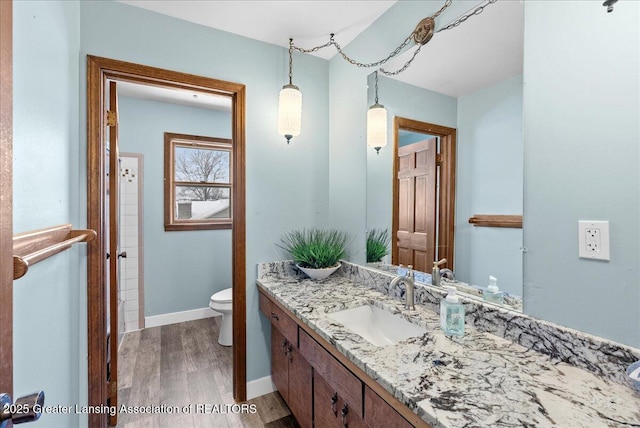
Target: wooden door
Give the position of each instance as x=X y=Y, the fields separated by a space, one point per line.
x=417 y=202
x=114 y=249
x=6 y=205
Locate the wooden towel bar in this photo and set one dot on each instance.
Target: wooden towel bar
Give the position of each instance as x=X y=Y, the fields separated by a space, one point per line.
x=31 y=247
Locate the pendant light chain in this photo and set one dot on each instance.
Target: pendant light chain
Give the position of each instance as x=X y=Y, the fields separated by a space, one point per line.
x=477 y=11
x=398 y=50
x=446 y=4
x=405 y=66
x=376 y=72
x=290 y=61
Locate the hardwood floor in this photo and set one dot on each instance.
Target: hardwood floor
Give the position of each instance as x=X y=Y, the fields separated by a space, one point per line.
x=182 y=366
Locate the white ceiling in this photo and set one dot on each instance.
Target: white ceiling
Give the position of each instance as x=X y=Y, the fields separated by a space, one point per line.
x=309 y=23
x=486 y=49
x=174 y=96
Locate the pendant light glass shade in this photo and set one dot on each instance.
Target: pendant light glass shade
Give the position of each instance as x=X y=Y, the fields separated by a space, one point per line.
x=290 y=112
x=377 y=127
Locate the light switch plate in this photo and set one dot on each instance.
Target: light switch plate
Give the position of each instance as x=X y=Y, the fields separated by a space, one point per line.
x=593 y=239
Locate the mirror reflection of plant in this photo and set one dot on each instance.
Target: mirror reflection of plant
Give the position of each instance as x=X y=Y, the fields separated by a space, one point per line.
x=315 y=248
x=378 y=241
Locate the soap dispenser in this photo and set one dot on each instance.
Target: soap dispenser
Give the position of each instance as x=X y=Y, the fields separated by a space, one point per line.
x=452 y=314
x=435 y=272
x=492 y=294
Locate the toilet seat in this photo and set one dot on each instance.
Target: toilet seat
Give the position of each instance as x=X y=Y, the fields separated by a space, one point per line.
x=224 y=296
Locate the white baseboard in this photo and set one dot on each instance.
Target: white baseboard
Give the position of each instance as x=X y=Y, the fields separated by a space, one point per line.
x=175 y=317
x=259 y=387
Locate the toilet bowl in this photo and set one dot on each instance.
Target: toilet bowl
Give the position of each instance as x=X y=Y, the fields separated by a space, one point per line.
x=221 y=302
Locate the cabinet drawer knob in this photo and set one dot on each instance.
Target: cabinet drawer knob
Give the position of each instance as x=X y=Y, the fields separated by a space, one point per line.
x=290 y=352
x=334 y=400
x=275 y=316
x=344 y=412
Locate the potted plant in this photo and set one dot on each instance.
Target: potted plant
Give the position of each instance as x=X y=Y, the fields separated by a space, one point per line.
x=377 y=244
x=317 y=252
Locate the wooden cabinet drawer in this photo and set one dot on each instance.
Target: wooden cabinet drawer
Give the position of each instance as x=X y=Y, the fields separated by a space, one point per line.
x=283 y=322
x=264 y=304
x=340 y=379
x=380 y=414
x=279 y=319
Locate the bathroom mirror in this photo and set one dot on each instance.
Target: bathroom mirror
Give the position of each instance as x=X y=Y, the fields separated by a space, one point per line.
x=458 y=124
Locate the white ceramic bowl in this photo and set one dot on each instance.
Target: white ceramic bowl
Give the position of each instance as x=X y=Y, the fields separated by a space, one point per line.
x=319 y=273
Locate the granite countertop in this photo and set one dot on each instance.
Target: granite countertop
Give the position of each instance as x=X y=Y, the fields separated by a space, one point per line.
x=479 y=380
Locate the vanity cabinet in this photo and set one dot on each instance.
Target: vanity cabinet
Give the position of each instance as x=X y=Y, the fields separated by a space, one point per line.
x=290 y=372
x=320 y=388
x=337 y=393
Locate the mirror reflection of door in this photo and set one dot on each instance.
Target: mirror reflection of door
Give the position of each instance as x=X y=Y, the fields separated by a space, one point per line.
x=423 y=194
x=417 y=199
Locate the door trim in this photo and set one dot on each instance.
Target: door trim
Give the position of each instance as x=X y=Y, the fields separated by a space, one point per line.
x=98 y=71
x=114 y=249
x=6 y=196
x=447 y=180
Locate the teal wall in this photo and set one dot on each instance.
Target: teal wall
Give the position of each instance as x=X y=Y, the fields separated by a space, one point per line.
x=581 y=134
x=182 y=269
x=489 y=181
x=48 y=314
x=406 y=138
x=286 y=185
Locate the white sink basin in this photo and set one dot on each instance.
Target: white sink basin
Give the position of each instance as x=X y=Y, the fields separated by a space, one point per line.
x=376 y=325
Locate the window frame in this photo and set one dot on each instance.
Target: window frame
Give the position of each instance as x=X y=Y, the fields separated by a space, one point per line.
x=171 y=142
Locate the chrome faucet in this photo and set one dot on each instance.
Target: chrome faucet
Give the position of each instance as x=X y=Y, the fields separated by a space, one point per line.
x=409 y=286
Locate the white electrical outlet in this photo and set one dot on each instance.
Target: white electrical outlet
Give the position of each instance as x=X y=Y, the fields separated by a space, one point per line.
x=593 y=239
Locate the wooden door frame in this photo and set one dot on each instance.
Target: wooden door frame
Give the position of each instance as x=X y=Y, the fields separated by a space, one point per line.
x=6 y=196
x=446 y=161
x=114 y=246
x=98 y=71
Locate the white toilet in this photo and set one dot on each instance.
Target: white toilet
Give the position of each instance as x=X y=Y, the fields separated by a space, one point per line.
x=221 y=302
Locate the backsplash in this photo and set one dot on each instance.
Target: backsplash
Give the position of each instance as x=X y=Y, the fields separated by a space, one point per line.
x=597 y=355
x=510 y=302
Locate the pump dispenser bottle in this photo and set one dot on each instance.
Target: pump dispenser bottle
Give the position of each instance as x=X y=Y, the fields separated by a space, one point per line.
x=452 y=314
x=492 y=294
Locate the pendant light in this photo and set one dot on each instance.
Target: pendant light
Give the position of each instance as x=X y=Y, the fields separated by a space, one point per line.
x=377 y=123
x=290 y=102
x=290 y=105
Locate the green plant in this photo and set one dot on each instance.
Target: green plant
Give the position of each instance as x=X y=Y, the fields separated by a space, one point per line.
x=315 y=248
x=377 y=244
